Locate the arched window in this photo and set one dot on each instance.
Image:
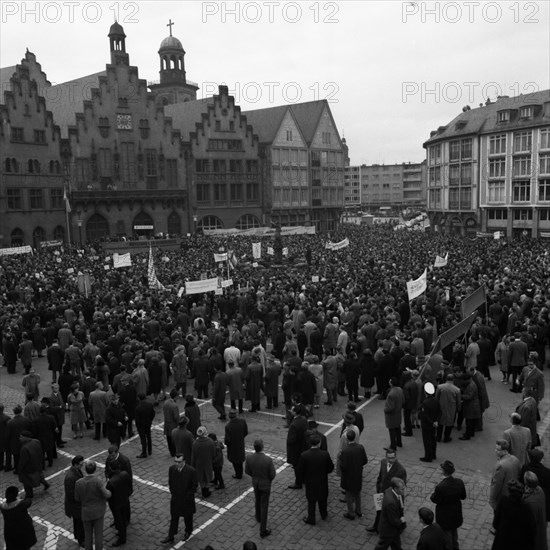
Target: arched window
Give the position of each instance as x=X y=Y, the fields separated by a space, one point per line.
x=36 y=166
x=248 y=221
x=30 y=166
x=97 y=228
x=174 y=224
x=55 y=167
x=38 y=235
x=7 y=165
x=17 y=237
x=143 y=224
x=209 y=222
x=59 y=233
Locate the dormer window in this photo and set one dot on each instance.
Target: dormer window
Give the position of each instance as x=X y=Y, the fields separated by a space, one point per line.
x=503 y=116
x=526 y=112
x=460 y=125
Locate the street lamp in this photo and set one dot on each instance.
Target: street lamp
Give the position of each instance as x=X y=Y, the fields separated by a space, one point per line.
x=195 y=219
x=79 y=223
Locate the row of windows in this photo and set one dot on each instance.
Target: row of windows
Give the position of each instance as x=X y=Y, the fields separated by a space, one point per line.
x=220 y=192
x=287 y=196
x=36 y=199
x=222 y=165
x=521 y=190
x=38 y=236
x=33 y=166
x=459 y=198
x=225 y=144
x=18 y=135
x=524 y=113
x=289 y=156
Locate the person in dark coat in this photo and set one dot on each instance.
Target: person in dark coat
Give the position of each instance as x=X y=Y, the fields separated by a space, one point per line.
x=352 y=371
x=513 y=522
x=305 y=385
x=432 y=536
x=202 y=459
x=203 y=373
x=128 y=399
x=57 y=408
x=271 y=382
x=4 y=448
x=410 y=396
x=367 y=366
x=155 y=378
x=56 y=357
x=182 y=482
x=19 y=531
x=312 y=471
x=352 y=460
x=296 y=441
x=45 y=429
x=120 y=486
x=392 y=521
x=115 y=419
x=235 y=432
x=15 y=427
x=254 y=378
x=448 y=496
x=183 y=439
x=393 y=408
x=30 y=469
x=219 y=387
x=311 y=430
x=430 y=412
x=10 y=353
x=192 y=411
x=73 y=508
x=543 y=474
x=390 y=468
x=171 y=414
x=144 y=416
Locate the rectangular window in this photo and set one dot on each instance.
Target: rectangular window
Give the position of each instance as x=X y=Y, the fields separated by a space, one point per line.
x=14 y=199
x=82 y=170
x=36 y=199
x=203 y=192
x=219 y=166
x=128 y=170
x=201 y=165
x=545 y=138
x=503 y=116
x=544 y=214
x=522 y=142
x=466 y=149
x=252 y=192
x=286 y=196
x=295 y=196
x=303 y=157
x=435 y=154
x=454 y=150
x=275 y=156
x=236 y=192
x=105 y=163
x=497 y=168
x=39 y=136
x=466 y=174
x=172 y=172
x=466 y=197
x=544 y=163
x=521 y=190
x=526 y=112
x=151 y=162
x=220 y=192
x=497 y=214
x=289 y=135
x=17 y=134
x=285 y=158
x=454 y=174
x=235 y=166
x=454 y=197
x=497 y=145
x=276 y=197
x=496 y=191
x=544 y=189
x=303 y=197
x=294 y=156
x=522 y=167
x=56 y=198
x=252 y=166
x=523 y=215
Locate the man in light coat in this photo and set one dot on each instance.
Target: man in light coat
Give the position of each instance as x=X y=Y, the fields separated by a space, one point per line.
x=507 y=468
x=449 y=399
x=518 y=438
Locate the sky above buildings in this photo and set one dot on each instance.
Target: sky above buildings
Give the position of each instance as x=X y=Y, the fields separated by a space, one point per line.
x=392 y=71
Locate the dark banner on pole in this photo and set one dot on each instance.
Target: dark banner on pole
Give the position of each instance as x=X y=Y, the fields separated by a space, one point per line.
x=454 y=333
x=473 y=301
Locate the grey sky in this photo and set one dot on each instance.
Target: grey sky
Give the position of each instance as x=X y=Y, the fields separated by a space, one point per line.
x=392 y=70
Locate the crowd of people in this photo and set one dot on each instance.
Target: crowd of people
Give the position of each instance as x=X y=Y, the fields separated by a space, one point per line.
x=325 y=324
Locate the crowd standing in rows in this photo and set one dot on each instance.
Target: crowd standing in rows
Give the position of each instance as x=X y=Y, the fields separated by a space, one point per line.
x=334 y=322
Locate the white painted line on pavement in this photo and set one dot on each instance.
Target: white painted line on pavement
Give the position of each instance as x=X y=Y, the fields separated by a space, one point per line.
x=53 y=534
x=543 y=426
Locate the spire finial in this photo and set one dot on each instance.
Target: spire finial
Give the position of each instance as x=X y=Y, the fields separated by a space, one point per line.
x=170 y=25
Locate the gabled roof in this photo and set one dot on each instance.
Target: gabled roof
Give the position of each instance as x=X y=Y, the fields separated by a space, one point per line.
x=308 y=115
x=484 y=119
x=185 y=115
x=5 y=74
x=266 y=122
x=67 y=99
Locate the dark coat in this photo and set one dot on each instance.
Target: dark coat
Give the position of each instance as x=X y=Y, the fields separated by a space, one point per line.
x=296 y=440
x=384 y=476
x=171 y=416
x=410 y=394
x=235 y=432
x=260 y=467
x=254 y=378
x=124 y=465
x=219 y=387
x=30 y=463
x=73 y=508
x=352 y=460
x=430 y=412
x=4 y=419
x=543 y=474
x=470 y=401
x=193 y=412
x=390 y=515
x=113 y=415
x=393 y=407
x=514 y=525
x=57 y=406
x=313 y=469
x=528 y=410
x=182 y=484
x=120 y=485
x=183 y=440
x=447 y=496
x=15 y=426
x=432 y=537
x=144 y=415
x=202 y=459
x=18 y=526
x=45 y=426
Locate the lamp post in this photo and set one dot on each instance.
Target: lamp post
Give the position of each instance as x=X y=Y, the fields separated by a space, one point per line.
x=195 y=219
x=79 y=223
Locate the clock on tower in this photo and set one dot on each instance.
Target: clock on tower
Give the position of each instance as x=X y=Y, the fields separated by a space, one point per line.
x=124 y=122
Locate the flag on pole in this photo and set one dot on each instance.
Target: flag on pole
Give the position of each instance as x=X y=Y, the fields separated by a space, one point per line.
x=417 y=287
x=220 y=257
x=154 y=283
x=441 y=262
x=66 y=199
x=232 y=259
x=473 y=301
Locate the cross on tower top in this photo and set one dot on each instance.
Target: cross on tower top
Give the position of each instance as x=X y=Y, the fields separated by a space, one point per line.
x=170 y=25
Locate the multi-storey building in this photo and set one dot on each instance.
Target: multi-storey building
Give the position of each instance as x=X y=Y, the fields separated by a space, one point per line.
x=489 y=168
x=352 y=186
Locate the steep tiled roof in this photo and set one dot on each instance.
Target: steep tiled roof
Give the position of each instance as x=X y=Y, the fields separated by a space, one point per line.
x=266 y=122
x=308 y=115
x=483 y=120
x=186 y=115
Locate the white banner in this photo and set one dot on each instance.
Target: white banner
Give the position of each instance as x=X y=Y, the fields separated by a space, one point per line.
x=199 y=287
x=121 y=260
x=338 y=246
x=270 y=251
x=497 y=235
x=228 y=282
x=417 y=287
x=256 y=250
x=15 y=250
x=441 y=262
x=220 y=257
x=285 y=251
x=258 y=231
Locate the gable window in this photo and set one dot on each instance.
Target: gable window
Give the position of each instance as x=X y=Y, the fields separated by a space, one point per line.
x=289 y=135
x=526 y=112
x=503 y=116
x=545 y=138
x=454 y=153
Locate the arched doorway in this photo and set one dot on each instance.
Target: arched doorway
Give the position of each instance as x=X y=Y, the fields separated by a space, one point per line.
x=174 y=224
x=248 y=221
x=97 y=228
x=17 y=237
x=143 y=225
x=208 y=223
x=59 y=233
x=38 y=235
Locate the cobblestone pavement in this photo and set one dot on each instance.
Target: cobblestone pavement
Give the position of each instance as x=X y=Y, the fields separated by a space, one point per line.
x=226 y=519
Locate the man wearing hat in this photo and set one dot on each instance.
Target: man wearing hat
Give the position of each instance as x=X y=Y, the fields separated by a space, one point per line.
x=430 y=413
x=235 y=432
x=448 y=496
x=543 y=474
x=202 y=459
x=31 y=461
x=296 y=441
x=183 y=439
x=312 y=429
